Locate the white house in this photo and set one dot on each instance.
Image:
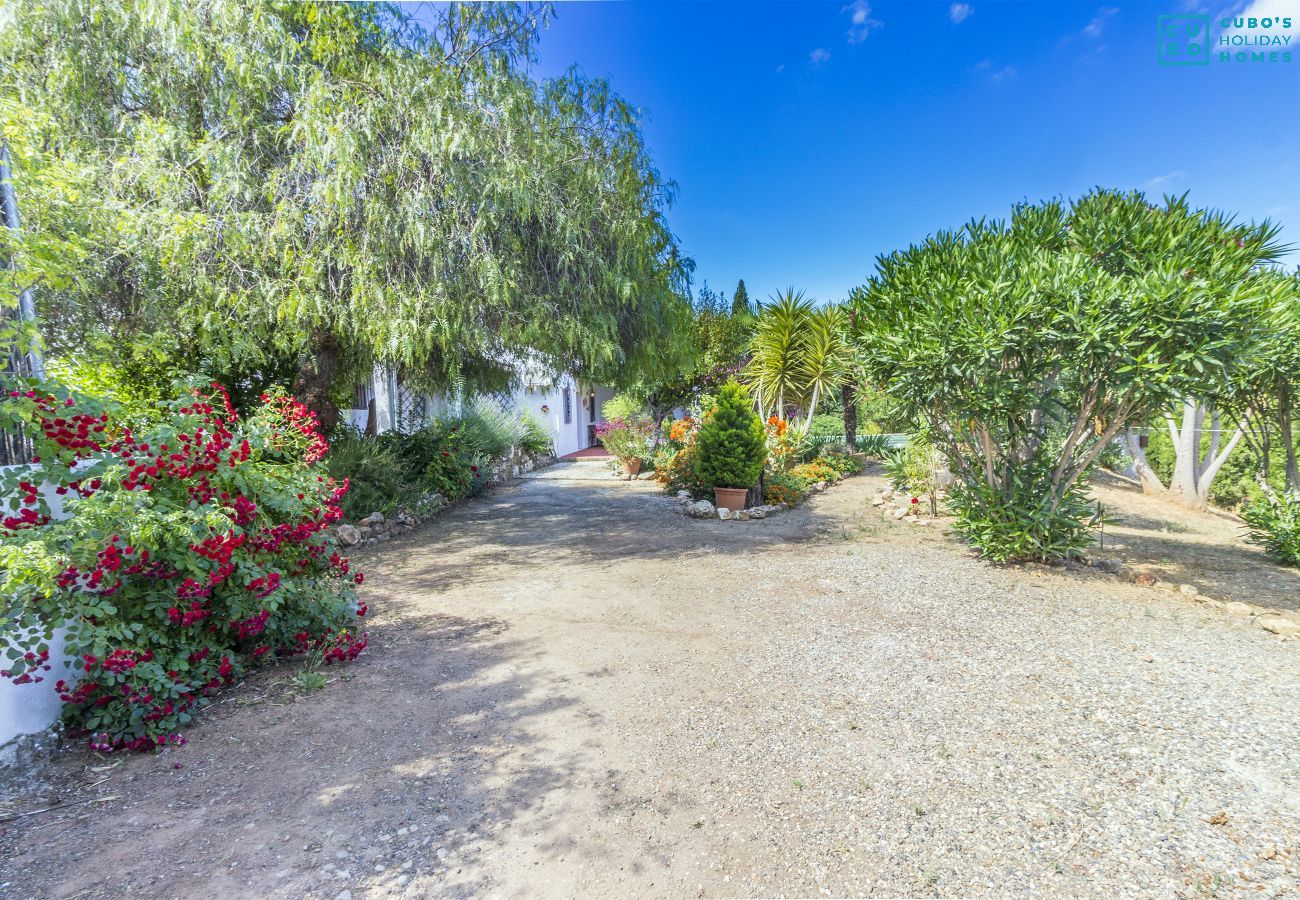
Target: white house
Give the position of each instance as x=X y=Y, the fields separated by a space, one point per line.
x=570 y=410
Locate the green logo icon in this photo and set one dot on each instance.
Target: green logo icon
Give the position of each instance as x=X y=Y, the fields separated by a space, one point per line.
x=1183 y=40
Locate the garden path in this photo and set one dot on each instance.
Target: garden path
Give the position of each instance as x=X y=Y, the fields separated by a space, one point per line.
x=573 y=691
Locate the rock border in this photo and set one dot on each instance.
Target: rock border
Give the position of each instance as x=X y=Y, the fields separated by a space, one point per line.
x=687 y=505
x=376 y=528
x=1271 y=620
x=892 y=505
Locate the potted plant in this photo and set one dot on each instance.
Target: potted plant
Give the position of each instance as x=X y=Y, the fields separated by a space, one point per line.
x=731 y=447
x=628 y=439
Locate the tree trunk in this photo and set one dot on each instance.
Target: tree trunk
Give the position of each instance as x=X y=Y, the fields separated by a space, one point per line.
x=314 y=384
x=755 y=495
x=849 y=394
x=372 y=418
x=1285 y=410
x=1193 y=471
x=1151 y=483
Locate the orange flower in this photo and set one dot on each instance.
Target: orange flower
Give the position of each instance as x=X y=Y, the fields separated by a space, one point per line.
x=680 y=429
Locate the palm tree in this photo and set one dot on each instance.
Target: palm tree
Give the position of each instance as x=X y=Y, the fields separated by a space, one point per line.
x=826 y=355
x=799 y=352
x=776 y=354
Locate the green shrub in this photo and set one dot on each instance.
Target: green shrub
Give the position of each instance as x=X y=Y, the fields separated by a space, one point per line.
x=451 y=457
x=843 y=464
x=1274 y=524
x=622 y=406
x=533 y=437
x=732 y=444
x=488 y=430
x=379 y=478
x=914 y=467
x=874 y=445
x=825 y=425
x=627 y=439
x=783 y=487
x=1019 y=521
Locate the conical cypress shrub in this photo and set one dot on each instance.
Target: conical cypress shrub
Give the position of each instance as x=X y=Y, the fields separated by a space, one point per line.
x=731 y=447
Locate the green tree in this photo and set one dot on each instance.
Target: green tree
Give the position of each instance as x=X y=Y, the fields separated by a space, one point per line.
x=338 y=184
x=740 y=301
x=732 y=446
x=798 y=356
x=1026 y=345
x=712 y=350
x=775 y=361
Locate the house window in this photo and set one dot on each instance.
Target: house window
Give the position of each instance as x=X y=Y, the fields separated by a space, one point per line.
x=568 y=406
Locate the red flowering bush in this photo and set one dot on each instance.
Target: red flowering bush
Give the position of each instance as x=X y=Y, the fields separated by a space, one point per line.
x=187 y=555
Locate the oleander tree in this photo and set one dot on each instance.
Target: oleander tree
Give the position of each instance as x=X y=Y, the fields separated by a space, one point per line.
x=1261 y=398
x=1026 y=345
x=235 y=185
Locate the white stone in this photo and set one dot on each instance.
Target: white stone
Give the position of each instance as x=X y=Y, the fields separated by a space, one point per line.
x=348 y=535
x=701 y=509
x=1278 y=625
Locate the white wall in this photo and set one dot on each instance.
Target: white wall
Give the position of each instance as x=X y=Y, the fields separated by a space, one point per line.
x=545 y=393
x=546 y=402
x=29 y=708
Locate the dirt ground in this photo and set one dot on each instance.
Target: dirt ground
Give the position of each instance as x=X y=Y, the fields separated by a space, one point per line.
x=1207 y=550
x=572 y=690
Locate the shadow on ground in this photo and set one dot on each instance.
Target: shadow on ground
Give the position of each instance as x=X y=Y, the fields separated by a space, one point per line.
x=375 y=778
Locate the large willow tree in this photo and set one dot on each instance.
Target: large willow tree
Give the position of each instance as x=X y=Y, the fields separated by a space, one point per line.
x=332 y=184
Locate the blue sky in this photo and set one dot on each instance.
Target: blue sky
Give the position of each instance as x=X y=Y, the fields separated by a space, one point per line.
x=806 y=138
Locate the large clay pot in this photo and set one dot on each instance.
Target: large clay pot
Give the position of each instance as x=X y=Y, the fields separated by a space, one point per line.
x=631 y=467
x=730 y=498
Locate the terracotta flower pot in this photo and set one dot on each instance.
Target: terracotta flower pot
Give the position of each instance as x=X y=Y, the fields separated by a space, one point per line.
x=631 y=467
x=730 y=498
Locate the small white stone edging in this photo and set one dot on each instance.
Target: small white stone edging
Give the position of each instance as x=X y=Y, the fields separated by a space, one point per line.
x=703 y=509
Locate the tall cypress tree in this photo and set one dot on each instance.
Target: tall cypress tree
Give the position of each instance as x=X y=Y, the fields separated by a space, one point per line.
x=740 y=301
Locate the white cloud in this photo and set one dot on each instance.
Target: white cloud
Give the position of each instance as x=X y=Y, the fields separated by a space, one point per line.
x=1160 y=182
x=995 y=73
x=861 y=22
x=1259 y=10
x=780 y=68
x=819 y=57
x=1095 y=28
x=960 y=12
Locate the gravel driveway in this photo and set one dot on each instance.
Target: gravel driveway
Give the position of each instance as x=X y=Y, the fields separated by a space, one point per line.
x=573 y=691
